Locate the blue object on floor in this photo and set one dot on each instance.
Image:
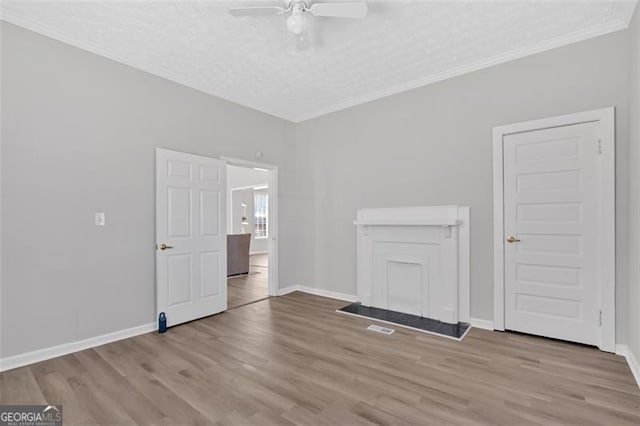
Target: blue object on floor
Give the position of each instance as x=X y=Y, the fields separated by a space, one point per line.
x=162 y=323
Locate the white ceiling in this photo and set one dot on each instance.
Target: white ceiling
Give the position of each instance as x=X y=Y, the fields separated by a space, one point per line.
x=401 y=45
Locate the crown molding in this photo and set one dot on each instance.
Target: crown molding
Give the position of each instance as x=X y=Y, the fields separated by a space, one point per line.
x=613 y=26
x=540 y=47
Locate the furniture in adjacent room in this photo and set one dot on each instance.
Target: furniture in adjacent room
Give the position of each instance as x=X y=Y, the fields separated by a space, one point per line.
x=238 y=254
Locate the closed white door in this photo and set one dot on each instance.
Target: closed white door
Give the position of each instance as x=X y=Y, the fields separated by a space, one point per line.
x=551 y=191
x=191 y=252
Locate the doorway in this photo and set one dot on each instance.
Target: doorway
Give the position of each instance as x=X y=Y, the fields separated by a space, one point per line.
x=192 y=241
x=554 y=228
x=251 y=224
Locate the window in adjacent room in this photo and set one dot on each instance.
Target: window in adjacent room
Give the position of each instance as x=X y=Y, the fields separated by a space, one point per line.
x=260 y=214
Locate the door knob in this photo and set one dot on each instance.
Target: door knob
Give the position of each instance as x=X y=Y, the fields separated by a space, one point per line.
x=512 y=239
x=163 y=246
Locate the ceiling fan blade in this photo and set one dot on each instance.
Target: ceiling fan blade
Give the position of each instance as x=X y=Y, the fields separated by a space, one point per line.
x=340 y=10
x=256 y=11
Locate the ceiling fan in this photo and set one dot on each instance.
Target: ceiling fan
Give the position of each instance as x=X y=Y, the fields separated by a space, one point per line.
x=300 y=13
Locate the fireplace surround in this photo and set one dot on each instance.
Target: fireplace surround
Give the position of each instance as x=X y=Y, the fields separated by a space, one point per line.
x=415 y=260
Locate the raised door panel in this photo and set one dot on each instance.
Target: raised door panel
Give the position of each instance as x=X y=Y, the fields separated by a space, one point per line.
x=179 y=210
x=180 y=279
x=210 y=213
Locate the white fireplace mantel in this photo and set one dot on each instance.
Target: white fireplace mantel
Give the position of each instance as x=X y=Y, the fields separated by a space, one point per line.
x=415 y=260
x=423 y=215
x=395 y=222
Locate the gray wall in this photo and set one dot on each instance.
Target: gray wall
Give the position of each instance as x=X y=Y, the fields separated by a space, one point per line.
x=245 y=196
x=634 y=199
x=238 y=197
x=432 y=146
x=79 y=135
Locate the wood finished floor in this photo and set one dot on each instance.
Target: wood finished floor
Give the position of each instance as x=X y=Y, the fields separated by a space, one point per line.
x=243 y=289
x=293 y=360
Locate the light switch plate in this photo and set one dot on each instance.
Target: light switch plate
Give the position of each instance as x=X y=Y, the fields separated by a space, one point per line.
x=100 y=219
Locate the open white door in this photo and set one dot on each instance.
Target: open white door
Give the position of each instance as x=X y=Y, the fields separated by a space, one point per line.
x=191 y=251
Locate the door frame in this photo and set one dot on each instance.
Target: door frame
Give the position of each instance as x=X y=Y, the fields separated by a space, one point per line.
x=272 y=224
x=606 y=214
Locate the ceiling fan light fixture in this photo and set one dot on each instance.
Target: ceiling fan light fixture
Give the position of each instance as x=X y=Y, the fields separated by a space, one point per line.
x=298 y=22
x=301 y=13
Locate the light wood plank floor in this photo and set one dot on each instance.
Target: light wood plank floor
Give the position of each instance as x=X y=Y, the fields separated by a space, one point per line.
x=293 y=360
x=243 y=289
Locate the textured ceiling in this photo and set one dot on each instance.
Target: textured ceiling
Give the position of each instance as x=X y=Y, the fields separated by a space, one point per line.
x=401 y=45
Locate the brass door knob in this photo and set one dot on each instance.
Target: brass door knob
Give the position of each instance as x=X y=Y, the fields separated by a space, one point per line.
x=163 y=246
x=512 y=239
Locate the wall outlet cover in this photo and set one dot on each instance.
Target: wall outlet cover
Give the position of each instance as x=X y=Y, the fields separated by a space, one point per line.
x=100 y=219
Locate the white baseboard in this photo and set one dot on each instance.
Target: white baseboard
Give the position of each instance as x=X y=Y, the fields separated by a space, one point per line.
x=287 y=290
x=481 y=323
x=631 y=360
x=327 y=293
x=21 y=360
x=317 y=292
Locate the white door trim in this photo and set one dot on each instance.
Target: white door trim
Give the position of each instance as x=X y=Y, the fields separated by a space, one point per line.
x=273 y=217
x=606 y=215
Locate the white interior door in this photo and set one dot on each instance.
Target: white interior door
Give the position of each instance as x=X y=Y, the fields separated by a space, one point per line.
x=552 y=182
x=191 y=254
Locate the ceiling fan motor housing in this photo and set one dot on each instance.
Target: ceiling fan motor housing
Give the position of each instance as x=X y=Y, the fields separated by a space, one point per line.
x=300 y=13
x=298 y=21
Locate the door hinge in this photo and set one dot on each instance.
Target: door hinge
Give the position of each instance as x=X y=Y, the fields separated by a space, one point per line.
x=599 y=146
x=600 y=318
